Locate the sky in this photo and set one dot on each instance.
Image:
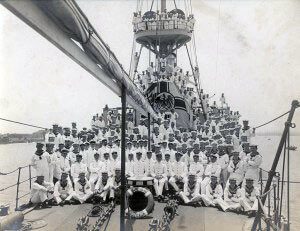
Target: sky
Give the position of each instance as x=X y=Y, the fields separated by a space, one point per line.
x=249 y=50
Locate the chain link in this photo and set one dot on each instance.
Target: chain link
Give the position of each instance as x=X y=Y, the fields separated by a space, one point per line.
x=170 y=211
x=83 y=223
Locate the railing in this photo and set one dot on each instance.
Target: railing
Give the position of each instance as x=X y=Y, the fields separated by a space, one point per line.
x=19 y=182
x=169 y=24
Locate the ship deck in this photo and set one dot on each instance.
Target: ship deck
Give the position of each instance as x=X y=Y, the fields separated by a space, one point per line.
x=189 y=218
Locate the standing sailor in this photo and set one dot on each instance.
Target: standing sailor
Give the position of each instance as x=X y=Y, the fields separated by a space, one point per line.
x=95 y=167
x=159 y=172
x=179 y=171
x=252 y=163
x=40 y=162
x=78 y=167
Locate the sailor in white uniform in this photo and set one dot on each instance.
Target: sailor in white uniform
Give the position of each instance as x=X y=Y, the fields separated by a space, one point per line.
x=232 y=196
x=41 y=192
x=63 y=190
x=236 y=168
x=196 y=168
x=95 y=167
x=78 y=167
x=40 y=162
x=159 y=173
x=179 y=171
x=130 y=165
x=213 y=192
x=149 y=164
x=82 y=187
x=249 y=200
x=252 y=163
x=213 y=168
x=139 y=166
x=103 y=185
x=191 y=190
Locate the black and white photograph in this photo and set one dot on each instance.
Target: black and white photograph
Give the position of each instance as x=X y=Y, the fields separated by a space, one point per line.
x=150 y=115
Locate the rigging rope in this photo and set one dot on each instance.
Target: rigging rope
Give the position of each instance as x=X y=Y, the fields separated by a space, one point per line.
x=218 y=38
x=29 y=125
x=272 y=120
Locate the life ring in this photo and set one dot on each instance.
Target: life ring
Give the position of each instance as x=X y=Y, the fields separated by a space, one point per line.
x=140 y=202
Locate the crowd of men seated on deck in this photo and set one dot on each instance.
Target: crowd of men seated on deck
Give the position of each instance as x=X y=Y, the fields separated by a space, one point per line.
x=164 y=20
x=212 y=164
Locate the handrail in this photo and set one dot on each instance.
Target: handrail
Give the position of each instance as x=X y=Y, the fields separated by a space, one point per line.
x=19 y=182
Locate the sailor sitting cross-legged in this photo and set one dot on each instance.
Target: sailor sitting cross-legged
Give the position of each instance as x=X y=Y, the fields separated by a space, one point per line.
x=83 y=190
x=41 y=192
x=213 y=168
x=249 y=201
x=232 y=196
x=213 y=192
x=78 y=167
x=159 y=173
x=103 y=185
x=95 y=167
x=63 y=190
x=191 y=190
x=179 y=171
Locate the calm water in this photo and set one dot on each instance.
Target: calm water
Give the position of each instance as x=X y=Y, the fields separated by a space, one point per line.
x=14 y=155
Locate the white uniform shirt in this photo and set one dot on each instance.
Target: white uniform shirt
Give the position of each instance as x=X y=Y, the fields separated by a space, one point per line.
x=213 y=169
x=77 y=168
x=179 y=169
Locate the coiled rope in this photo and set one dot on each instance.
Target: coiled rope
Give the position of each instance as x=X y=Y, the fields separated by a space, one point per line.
x=272 y=120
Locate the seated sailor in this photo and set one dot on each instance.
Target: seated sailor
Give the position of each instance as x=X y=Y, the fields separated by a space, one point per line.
x=159 y=174
x=249 y=201
x=103 y=185
x=179 y=171
x=232 y=196
x=41 y=192
x=191 y=190
x=63 y=190
x=83 y=190
x=213 y=192
x=115 y=184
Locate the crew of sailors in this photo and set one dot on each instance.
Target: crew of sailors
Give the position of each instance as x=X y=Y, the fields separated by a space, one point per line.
x=213 y=163
x=162 y=21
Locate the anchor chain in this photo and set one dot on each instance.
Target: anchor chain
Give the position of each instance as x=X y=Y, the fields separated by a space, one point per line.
x=83 y=223
x=170 y=211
